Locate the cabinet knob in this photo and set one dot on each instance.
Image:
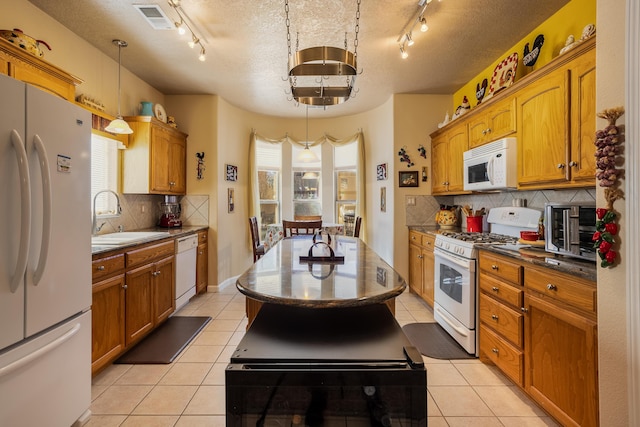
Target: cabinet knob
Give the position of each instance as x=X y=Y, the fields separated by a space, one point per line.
x=524 y=309
x=100 y=268
x=200 y=253
x=488 y=130
x=428 y=243
x=573 y=164
x=420 y=257
x=551 y=287
x=172 y=183
x=495 y=350
x=124 y=287
x=495 y=289
x=494 y=267
x=561 y=166
x=155 y=273
x=413 y=237
x=494 y=316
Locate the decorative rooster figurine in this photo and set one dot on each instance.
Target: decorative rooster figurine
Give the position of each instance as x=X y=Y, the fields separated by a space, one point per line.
x=530 y=57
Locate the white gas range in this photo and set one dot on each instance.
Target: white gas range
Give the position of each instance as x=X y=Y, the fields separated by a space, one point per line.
x=455 y=279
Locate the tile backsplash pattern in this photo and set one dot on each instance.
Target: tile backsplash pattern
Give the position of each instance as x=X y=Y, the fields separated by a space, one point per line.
x=426 y=207
x=140 y=211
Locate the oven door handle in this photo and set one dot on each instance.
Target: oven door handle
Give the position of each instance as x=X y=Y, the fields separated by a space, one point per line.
x=460 y=262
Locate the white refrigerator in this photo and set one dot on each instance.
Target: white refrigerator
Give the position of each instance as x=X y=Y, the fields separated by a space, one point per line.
x=45 y=258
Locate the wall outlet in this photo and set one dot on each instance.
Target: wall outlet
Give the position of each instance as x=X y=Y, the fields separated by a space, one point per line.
x=143 y=209
x=411 y=201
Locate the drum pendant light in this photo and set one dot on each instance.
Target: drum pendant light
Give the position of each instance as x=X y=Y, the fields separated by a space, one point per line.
x=119 y=126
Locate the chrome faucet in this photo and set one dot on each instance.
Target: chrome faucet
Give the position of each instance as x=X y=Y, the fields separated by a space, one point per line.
x=94 y=229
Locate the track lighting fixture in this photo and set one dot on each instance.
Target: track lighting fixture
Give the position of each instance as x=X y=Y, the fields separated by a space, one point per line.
x=418 y=18
x=187 y=24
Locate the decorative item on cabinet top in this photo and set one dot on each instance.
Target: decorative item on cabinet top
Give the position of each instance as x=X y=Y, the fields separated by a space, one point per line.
x=28 y=43
x=531 y=54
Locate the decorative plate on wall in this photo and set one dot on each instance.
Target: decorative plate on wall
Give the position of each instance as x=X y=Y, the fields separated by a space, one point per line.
x=161 y=115
x=504 y=74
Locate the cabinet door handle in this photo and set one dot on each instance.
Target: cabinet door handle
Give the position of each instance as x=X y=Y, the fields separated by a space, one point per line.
x=495 y=289
x=200 y=253
x=419 y=256
x=494 y=316
x=124 y=287
x=494 y=267
x=572 y=163
x=155 y=273
x=495 y=350
x=561 y=166
x=524 y=309
x=551 y=287
x=172 y=183
x=100 y=268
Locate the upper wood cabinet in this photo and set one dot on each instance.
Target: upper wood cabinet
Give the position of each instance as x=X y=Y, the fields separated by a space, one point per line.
x=556 y=126
x=155 y=161
x=497 y=121
x=19 y=64
x=446 y=161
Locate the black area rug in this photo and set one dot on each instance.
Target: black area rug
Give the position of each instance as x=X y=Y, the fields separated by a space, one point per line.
x=433 y=341
x=165 y=343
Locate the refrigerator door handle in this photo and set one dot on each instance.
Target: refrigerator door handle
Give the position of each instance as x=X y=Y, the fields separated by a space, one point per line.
x=46 y=208
x=25 y=206
x=6 y=370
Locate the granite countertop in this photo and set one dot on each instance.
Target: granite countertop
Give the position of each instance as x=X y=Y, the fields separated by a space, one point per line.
x=431 y=229
x=280 y=277
x=173 y=233
x=576 y=267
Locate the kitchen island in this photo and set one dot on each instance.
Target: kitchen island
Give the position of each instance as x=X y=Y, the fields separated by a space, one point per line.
x=323 y=348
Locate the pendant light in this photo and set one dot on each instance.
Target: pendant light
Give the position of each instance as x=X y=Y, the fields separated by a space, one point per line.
x=306 y=155
x=119 y=126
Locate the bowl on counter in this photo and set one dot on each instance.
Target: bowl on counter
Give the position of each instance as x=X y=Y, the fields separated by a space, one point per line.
x=530 y=236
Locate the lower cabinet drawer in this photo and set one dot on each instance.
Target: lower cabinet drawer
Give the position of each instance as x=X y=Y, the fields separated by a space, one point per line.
x=504 y=320
x=567 y=289
x=510 y=294
x=505 y=356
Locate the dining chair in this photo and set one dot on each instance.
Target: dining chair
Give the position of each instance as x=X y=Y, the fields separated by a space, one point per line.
x=307 y=217
x=294 y=228
x=356 y=227
x=258 y=248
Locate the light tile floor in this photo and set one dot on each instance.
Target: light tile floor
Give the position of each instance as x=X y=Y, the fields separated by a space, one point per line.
x=190 y=391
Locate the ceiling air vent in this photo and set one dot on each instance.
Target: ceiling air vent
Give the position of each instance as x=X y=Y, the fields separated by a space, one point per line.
x=155 y=16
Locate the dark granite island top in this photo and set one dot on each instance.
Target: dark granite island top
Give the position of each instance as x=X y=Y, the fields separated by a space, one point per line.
x=279 y=277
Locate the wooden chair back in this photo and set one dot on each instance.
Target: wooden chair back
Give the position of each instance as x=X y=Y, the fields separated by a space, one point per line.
x=294 y=228
x=258 y=248
x=356 y=227
x=307 y=217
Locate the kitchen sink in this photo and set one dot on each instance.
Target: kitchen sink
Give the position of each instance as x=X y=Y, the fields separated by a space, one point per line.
x=126 y=237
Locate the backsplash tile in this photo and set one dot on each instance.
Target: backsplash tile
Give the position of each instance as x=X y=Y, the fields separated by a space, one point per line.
x=140 y=211
x=426 y=207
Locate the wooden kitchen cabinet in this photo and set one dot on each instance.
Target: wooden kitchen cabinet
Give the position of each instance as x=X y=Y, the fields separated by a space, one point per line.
x=556 y=126
x=202 y=262
x=561 y=340
x=107 y=318
x=501 y=318
x=421 y=262
x=495 y=122
x=21 y=65
x=446 y=160
x=155 y=161
x=133 y=293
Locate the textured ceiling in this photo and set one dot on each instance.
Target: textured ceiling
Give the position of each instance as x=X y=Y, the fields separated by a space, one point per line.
x=246 y=44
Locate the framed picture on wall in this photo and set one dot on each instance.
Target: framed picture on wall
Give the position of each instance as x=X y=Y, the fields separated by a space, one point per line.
x=230 y=200
x=408 y=178
x=383 y=199
x=232 y=173
x=381 y=172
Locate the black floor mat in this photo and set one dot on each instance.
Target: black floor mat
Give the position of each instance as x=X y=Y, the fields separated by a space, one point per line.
x=165 y=343
x=433 y=341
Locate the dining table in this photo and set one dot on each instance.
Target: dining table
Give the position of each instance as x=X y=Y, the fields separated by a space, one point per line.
x=275 y=233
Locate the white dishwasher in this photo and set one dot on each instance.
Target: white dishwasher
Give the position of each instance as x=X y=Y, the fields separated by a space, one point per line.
x=185 y=269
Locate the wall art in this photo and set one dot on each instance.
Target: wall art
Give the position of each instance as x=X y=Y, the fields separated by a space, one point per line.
x=381 y=172
x=232 y=173
x=408 y=178
x=231 y=207
x=383 y=199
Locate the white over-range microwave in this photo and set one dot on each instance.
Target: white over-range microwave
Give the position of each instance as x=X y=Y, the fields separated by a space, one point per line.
x=492 y=166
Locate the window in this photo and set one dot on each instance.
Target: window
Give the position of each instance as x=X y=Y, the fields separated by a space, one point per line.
x=346 y=184
x=307 y=184
x=104 y=173
x=268 y=164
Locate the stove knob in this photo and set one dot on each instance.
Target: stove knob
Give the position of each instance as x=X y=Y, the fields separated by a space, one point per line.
x=446 y=246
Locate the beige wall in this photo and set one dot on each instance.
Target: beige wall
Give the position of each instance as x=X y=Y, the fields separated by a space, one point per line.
x=414 y=118
x=612 y=299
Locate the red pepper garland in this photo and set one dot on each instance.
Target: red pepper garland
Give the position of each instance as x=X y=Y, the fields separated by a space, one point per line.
x=607 y=141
